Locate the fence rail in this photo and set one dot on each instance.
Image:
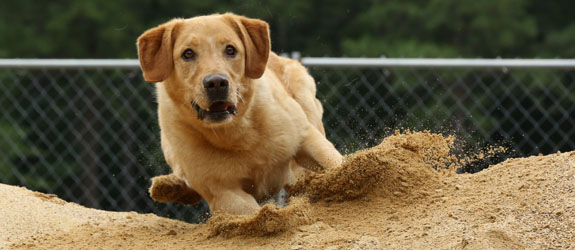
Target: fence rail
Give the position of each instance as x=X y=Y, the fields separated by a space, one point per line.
x=324 y=62
x=86 y=129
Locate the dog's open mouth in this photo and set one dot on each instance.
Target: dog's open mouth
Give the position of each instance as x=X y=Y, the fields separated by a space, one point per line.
x=218 y=111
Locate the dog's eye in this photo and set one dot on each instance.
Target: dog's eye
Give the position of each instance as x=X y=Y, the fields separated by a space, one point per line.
x=231 y=51
x=188 y=55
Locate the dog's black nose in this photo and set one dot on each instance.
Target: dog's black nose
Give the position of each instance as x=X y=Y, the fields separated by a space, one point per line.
x=216 y=87
x=216 y=83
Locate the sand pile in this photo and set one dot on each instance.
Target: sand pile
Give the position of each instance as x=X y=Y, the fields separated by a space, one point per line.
x=402 y=194
x=402 y=166
x=268 y=221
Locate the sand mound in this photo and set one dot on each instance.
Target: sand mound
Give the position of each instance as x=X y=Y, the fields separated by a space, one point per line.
x=402 y=167
x=400 y=194
x=269 y=220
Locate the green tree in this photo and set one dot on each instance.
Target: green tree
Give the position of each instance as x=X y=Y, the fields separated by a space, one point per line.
x=407 y=28
x=440 y=28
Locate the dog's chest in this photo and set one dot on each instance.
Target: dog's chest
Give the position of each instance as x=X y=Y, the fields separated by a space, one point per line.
x=274 y=150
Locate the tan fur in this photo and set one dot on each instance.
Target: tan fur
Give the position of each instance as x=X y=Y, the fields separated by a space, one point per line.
x=249 y=157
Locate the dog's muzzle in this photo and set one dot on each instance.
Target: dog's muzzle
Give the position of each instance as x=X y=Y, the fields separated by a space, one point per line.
x=217 y=91
x=218 y=111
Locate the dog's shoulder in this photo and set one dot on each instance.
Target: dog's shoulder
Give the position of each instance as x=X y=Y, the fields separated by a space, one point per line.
x=280 y=65
x=292 y=75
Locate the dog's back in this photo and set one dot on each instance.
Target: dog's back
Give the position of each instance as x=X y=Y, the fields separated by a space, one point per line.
x=300 y=85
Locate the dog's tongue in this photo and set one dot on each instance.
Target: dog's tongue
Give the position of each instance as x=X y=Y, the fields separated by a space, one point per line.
x=220 y=107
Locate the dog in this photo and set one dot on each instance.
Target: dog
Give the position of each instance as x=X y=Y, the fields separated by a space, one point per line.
x=237 y=121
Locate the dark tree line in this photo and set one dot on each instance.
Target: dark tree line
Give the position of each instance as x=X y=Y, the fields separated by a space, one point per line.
x=408 y=28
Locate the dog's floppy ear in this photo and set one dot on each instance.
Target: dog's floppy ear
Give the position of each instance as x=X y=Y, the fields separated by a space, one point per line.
x=155 y=52
x=255 y=35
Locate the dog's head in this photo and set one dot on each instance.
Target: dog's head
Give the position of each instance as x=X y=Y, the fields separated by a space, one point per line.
x=206 y=62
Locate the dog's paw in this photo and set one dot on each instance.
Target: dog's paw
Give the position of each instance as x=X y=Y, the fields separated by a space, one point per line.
x=169 y=188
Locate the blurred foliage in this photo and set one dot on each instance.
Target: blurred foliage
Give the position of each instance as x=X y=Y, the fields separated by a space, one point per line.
x=408 y=28
x=12 y=148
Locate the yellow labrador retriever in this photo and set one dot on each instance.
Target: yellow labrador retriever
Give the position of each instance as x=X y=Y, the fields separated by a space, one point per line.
x=237 y=121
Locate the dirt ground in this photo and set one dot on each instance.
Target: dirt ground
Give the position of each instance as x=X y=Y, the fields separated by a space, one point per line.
x=386 y=197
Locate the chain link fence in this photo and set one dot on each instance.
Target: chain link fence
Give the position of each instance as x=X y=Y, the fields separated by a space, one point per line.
x=89 y=133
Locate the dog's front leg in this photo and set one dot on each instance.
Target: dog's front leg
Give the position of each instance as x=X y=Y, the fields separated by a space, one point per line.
x=316 y=152
x=170 y=188
x=233 y=201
